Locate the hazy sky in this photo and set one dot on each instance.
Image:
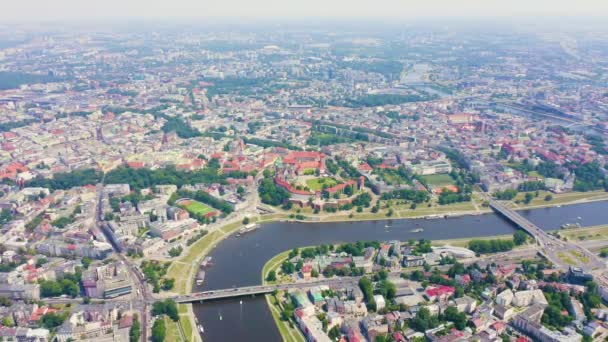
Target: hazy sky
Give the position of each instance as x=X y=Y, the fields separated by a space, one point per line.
x=18 y=10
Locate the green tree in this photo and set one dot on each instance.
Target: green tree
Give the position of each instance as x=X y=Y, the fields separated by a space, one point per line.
x=334 y=333
x=366 y=287
x=159 y=331
x=520 y=237
x=135 y=331
x=424 y=320
x=168 y=284
x=167 y=307
x=458 y=318
x=7 y=321
x=272 y=276
x=86 y=262
x=52 y=320
x=4 y=301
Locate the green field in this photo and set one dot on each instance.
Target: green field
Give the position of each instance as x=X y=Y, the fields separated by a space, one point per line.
x=535 y=174
x=439 y=179
x=316 y=184
x=196 y=207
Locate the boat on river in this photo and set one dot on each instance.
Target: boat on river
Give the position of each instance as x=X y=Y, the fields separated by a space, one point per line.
x=248 y=228
x=200 y=278
x=207 y=262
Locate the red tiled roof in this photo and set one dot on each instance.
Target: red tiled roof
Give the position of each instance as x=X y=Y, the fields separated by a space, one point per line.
x=340 y=187
x=365 y=167
x=440 y=291
x=135 y=164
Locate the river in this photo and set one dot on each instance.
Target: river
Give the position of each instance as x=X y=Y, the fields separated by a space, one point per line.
x=238 y=261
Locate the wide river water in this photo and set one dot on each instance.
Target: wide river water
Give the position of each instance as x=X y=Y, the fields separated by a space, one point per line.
x=238 y=261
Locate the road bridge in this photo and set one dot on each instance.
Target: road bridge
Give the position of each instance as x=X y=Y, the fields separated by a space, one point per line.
x=562 y=254
x=263 y=289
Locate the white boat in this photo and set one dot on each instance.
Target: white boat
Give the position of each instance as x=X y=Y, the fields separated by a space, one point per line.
x=200 y=278
x=248 y=228
x=206 y=262
x=200 y=328
x=417 y=230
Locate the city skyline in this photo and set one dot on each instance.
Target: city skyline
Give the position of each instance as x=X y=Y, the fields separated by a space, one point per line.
x=36 y=10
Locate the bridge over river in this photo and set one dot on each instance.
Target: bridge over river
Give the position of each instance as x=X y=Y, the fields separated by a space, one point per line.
x=263 y=289
x=562 y=254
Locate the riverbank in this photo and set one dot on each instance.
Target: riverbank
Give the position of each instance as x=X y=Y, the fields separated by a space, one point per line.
x=286 y=329
x=247 y=255
x=184 y=271
x=474 y=207
x=184 y=274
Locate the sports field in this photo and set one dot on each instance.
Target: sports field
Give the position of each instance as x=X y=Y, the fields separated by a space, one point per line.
x=438 y=180
x=196 y=207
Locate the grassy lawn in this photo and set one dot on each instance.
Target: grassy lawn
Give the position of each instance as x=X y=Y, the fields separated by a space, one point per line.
x=566 y=258
x=564 y=198
x=465 y=241
x=288 y=332
x=390 y=176
x=273 y=263
x=438 y=180
x=172 y=330
x=316 y=184
x=196 y=207
x=185 y=322
x=591 y=233
x=580 y=256
x=423 y=209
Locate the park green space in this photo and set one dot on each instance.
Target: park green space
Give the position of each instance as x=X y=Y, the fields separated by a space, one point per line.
x=172 y=330
x=564 y=198
x=316 y=184
x=289 y=332
x=390 y=176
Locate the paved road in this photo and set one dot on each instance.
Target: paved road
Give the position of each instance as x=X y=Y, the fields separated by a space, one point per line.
x=554 y=249
x=142 y=293
x=263 y=289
